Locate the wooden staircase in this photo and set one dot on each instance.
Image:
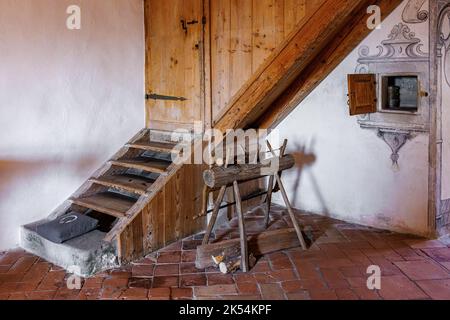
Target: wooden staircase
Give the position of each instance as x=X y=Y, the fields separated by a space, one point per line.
x=147 y=200
x=125 y=179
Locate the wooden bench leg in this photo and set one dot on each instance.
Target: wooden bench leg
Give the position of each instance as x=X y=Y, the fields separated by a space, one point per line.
x=242 y=233
x=291 y=213
x=214 y=215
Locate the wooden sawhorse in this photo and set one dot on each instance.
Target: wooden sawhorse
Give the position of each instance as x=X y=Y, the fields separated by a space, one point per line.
x=273 y=177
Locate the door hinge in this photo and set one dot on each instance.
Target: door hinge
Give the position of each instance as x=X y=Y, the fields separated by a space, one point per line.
x=155 y=96
x=203 y=20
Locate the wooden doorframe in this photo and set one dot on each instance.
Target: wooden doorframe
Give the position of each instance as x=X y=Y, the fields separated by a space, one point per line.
x=206 y=66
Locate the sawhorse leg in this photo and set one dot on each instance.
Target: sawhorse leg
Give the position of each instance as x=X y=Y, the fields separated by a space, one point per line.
x=291 y=213
x=242 y=232
x=268 y=202
x=214 y=215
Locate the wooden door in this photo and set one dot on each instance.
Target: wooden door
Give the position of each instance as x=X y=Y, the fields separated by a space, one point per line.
x=174 y=63
x=362 y=94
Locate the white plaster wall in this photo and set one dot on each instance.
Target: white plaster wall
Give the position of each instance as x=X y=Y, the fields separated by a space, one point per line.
x=345 y=171
x=68 y=99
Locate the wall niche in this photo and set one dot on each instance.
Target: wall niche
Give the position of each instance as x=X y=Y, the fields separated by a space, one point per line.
x=400 y=93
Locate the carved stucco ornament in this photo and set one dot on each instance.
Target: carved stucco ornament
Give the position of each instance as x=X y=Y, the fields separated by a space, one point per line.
x=444 y=42
x=412 y=12
x=401 y=45
x=395 y=140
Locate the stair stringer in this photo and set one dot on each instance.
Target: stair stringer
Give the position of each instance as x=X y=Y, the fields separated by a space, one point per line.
x=163 y=215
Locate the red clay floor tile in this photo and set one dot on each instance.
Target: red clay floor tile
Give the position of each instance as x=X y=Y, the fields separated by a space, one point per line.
x=181 y=293
x=134 y=294
x=272 y=291
x=218 y=278
x=400 y=288
x=436 y=289
x=167 y=270
x=166 y=282
x=159 y=294
x=192 y=280
x=423 y=270
x=248 y=288
x=169 y=257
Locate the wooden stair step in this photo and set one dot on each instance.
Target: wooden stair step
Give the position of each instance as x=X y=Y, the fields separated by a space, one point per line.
x=143 y=163
x=107 y=202
x=128 y=182
x=166 y=147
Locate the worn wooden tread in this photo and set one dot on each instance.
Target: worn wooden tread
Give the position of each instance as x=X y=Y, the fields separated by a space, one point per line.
x=127 y=182
x=107 y=202
x=143 y=163
x=166 y=147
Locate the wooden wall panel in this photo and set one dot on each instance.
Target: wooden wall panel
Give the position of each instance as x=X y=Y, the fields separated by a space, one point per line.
x=241 y=53
x=268 y=29
x=168 y=217
x=243 y=35
x=294 y=11
x=220 y=52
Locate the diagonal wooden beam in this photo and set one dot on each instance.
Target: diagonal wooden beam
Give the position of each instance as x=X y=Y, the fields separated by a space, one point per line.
x=326 y=61
x=287 y=62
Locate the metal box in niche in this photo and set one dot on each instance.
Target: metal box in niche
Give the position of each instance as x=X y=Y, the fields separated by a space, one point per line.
x=400 y=93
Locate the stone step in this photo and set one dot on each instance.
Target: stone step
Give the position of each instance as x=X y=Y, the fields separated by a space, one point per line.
x=84 y=256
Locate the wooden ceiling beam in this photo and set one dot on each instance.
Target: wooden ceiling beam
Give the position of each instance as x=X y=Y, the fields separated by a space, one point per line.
x=329 y=58
x=292 y=57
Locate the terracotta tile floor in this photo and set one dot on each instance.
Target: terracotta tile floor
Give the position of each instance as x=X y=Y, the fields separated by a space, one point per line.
x=334 y=267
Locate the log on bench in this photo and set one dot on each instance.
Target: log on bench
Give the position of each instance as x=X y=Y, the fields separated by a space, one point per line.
x=217 y=177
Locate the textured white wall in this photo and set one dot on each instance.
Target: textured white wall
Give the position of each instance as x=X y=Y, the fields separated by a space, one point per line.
x=347 y=170
x=68 y=99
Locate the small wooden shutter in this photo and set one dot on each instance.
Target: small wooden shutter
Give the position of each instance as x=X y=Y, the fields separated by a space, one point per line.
x=362 y=95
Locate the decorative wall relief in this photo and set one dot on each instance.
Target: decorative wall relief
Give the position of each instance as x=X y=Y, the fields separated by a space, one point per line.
x=444 y=42
x=402 y=53
x=395 y=140
x=412 y=12
x=400 y=46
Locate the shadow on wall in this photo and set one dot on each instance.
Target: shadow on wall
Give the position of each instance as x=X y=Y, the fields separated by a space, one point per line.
x=31 y=190
x=305 y=159
x=14 y=170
